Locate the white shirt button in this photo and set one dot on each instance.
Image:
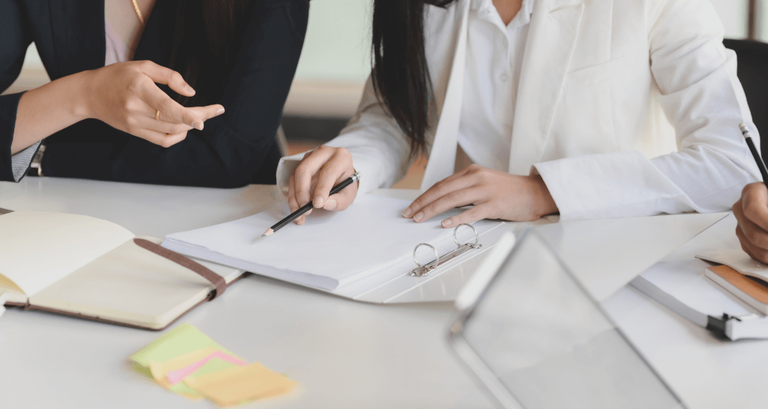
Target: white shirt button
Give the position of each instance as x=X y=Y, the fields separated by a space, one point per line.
x=504 y=77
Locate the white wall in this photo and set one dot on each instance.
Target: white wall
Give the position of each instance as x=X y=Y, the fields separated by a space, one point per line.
x=733 y=14
x=338 y=42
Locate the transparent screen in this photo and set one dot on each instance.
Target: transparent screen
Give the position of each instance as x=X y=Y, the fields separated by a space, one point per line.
x=551 y=346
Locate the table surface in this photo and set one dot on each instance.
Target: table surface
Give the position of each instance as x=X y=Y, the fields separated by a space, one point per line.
x=343 y=353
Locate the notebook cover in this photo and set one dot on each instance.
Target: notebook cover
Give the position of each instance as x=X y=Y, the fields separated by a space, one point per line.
x=748 y=285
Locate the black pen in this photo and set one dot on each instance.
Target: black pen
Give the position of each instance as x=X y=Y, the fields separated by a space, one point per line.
x=307 y=207
x=755 y=154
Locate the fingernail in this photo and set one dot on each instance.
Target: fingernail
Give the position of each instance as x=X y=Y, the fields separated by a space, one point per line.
x=220 y=111
x=447 y=223
x=198 y=125
x=318 y=202
x=189 y=89
x=330 y=205
x=407 y=213
x=418 y=216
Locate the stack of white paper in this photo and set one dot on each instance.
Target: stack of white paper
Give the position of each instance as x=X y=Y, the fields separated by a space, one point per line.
x=331 y=250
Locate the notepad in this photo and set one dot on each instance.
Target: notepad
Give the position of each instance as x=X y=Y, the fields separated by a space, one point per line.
x=332 y=250
x=92 y=268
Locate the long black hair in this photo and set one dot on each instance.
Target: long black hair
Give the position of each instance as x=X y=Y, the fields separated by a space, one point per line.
x=400 y=73
x=205 y=40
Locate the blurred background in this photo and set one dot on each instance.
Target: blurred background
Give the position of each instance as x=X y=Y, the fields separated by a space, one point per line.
x=335 y=64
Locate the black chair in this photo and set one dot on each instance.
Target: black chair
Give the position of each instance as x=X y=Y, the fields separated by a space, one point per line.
x=753 y=74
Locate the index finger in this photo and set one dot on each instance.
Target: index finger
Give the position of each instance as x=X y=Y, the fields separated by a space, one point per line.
x=442 y=188
x=167 y=76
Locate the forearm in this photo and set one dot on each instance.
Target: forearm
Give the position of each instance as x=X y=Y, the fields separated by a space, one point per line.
x=48 y=109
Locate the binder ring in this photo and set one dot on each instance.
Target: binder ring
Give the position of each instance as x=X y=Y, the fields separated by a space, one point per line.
x=424 y=269
x=456 y=230
x=434 y=263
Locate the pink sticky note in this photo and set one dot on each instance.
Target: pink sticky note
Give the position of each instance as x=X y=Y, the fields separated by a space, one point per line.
x=178 y=375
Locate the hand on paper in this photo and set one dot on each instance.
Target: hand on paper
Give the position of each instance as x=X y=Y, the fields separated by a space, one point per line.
x=494 y=194
x=125 y=96
x=319 y=171
x=751 y=211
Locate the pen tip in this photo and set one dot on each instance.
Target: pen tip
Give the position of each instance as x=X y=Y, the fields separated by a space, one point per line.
x=269 y=232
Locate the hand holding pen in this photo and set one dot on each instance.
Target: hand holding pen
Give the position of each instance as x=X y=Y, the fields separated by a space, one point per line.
x=751 y=210
x=309 y=206
x=314 y=177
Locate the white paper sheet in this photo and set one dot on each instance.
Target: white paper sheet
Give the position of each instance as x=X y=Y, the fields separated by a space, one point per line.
x=332 y=249
x=39 y=248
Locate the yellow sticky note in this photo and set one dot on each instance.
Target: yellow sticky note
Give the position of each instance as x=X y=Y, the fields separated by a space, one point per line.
x=180 y=341
x=240 y=384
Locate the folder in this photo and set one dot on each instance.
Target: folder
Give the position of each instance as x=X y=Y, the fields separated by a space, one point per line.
x=367 y=253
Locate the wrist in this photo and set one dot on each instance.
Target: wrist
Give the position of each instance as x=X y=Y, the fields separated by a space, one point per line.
x=545 y=203
x=80 y=95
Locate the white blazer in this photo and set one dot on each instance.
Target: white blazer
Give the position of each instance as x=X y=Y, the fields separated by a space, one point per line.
x=626 y=108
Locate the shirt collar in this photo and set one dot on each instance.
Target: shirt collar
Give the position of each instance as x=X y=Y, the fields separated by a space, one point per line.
x=526 y=9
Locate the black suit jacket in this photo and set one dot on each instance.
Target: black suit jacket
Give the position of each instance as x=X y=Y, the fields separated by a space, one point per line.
x=233 y=150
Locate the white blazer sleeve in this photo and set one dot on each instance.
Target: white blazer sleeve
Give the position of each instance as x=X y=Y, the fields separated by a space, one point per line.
x=380 y=151
x=703 y=99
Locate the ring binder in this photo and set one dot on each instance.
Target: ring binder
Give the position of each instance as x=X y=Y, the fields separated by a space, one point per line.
x=424 y=269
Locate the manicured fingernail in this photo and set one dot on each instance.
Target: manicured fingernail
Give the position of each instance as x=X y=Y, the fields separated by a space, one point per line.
x=447 y=223
x=407 y=213
x=418 y=216
x=220 y=111
x=318 y=202
x=330 y=205
x=198 y=125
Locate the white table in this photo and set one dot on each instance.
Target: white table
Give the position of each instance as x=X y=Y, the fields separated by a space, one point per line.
x=344 y=353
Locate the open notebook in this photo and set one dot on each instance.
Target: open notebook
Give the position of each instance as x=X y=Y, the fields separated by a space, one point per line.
x=80 y=265
x=351 y=253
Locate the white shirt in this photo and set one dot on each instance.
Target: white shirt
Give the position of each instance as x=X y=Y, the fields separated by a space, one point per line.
x=627 y=108
x=494 y=61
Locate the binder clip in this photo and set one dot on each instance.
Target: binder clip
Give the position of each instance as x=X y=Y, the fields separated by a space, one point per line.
x=423 y=270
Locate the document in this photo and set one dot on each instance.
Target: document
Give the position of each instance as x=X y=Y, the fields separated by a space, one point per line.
x=331 y=250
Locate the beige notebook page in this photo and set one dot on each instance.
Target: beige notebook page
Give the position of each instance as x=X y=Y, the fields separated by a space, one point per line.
x=39 y=248
x=131 y=285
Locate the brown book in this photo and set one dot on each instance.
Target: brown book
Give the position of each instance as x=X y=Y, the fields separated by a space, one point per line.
x=751 y=290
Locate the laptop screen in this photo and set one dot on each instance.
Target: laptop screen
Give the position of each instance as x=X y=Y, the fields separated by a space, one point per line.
x=551 y=346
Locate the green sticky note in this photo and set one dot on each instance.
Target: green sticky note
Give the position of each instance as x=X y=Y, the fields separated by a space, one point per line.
x=181 y=340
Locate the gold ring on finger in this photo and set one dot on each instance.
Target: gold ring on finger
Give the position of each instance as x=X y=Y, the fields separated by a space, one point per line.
x=157 y=114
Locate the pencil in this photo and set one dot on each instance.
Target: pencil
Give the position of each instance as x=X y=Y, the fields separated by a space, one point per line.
x=755 y=154
x=307 y=207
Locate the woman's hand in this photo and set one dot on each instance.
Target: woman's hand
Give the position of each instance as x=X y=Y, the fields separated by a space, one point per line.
x=494 y=194
x=319 y=171
x=751 y=211
x=125 y=96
